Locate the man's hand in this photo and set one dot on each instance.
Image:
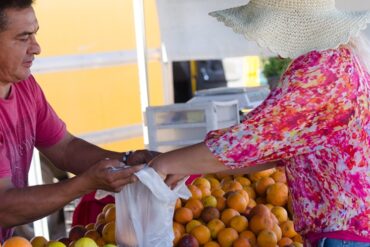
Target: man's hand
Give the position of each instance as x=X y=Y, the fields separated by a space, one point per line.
x=139 y=157
x=109 y=175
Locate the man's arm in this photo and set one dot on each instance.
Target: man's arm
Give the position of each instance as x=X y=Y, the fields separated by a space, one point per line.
x=19 y=206
x=93 y=171
x=76 y=155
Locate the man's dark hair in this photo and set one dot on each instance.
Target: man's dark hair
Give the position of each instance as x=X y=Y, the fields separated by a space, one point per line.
x=11 y=4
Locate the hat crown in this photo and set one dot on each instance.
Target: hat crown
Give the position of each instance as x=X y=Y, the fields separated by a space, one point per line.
x=296 y=4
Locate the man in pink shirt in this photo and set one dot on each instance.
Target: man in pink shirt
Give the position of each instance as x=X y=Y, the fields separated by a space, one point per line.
x=28 y=121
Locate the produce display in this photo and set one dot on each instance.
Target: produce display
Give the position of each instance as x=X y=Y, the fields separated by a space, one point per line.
x=224 y=211
x=237 y=211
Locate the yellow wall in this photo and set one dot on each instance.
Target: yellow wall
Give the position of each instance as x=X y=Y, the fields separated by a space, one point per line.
x=85 y=26
x=96 y=99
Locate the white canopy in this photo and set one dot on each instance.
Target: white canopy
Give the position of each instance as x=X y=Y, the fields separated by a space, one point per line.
x=188 y=32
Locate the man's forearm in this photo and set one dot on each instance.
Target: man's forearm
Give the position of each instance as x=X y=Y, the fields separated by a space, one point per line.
x=19 y=206
x=79 y=155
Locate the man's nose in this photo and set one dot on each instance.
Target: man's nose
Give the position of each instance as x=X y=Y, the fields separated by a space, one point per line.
x=35 y=47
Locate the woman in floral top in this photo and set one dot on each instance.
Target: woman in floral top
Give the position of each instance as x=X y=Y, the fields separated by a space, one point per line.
x=316 y=124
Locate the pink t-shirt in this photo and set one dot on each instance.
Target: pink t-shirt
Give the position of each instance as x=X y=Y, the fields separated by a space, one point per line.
x=26 y=121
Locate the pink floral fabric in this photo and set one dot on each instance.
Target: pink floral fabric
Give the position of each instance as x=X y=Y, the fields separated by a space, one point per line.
x=317 y=122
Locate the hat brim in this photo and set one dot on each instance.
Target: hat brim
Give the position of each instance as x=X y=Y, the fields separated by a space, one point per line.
x=290 y=33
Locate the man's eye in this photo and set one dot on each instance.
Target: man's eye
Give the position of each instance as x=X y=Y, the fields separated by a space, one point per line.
x=24 y=39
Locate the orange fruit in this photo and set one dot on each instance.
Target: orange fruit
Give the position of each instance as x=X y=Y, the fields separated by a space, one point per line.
x=259 y=209
x=100 y=218
x=178 y=203
x=201 y=182
x=188 y=240
x=277 y=194
x=245 y=194
x=279 y=176
x=280 y=213
x=227 y=236
x=251 y=192
x=17 y=242
x=209 y=213
x=109 y=232
x=255 y=176
x=179 y=227
x=277 y=230
x=287 y=229
x=178 y=231
x=241 y=242
x=270 y=206
x=221 y=202
x=100 y=242
x=201 y=233
x=90 y=226
x=215 y=226
x=217 y=192
x=262 y=185
x=250 y=236
x=296 y=244
x=223 y=176
x=228 y=214
x=183 y=215
x=231 y=186
x=298 y=238
x=209 y=201
x=239 y=223
x=215 y=184
x=110 y=214
x=211 y=244
x=237 y=201
x=252 y=203
x=107 y=206
x=195 y=205
x=195 y=191
x=267 y=238
x=191 y=225
x=93 y=234
x=243 y=181
x=285 y=242
x=259 y=223
x=38 y=241
x=205 y=191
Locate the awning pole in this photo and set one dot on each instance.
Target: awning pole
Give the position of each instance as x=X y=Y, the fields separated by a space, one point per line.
x=141 y=50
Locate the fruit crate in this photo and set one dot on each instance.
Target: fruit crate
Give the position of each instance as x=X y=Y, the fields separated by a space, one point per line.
x=177 y=125
x=248 y=97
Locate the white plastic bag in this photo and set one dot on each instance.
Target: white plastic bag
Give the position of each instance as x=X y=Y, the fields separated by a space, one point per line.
x=144 y=211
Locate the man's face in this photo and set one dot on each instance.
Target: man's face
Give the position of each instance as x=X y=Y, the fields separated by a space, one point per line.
x=18 y=45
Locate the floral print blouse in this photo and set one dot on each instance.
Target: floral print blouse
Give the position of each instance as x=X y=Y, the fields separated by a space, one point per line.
x=317 y=123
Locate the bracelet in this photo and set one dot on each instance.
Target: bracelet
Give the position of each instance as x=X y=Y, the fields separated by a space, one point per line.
x=126 y=155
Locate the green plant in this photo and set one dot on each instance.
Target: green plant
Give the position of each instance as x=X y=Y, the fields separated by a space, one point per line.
x=274 y=66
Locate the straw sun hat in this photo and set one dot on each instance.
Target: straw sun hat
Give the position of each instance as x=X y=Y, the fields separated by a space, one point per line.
x=294 y=27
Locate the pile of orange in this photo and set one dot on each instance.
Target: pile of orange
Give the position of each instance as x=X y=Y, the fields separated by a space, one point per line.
x=224 y=211
x=237 y=211
x=102 y=232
